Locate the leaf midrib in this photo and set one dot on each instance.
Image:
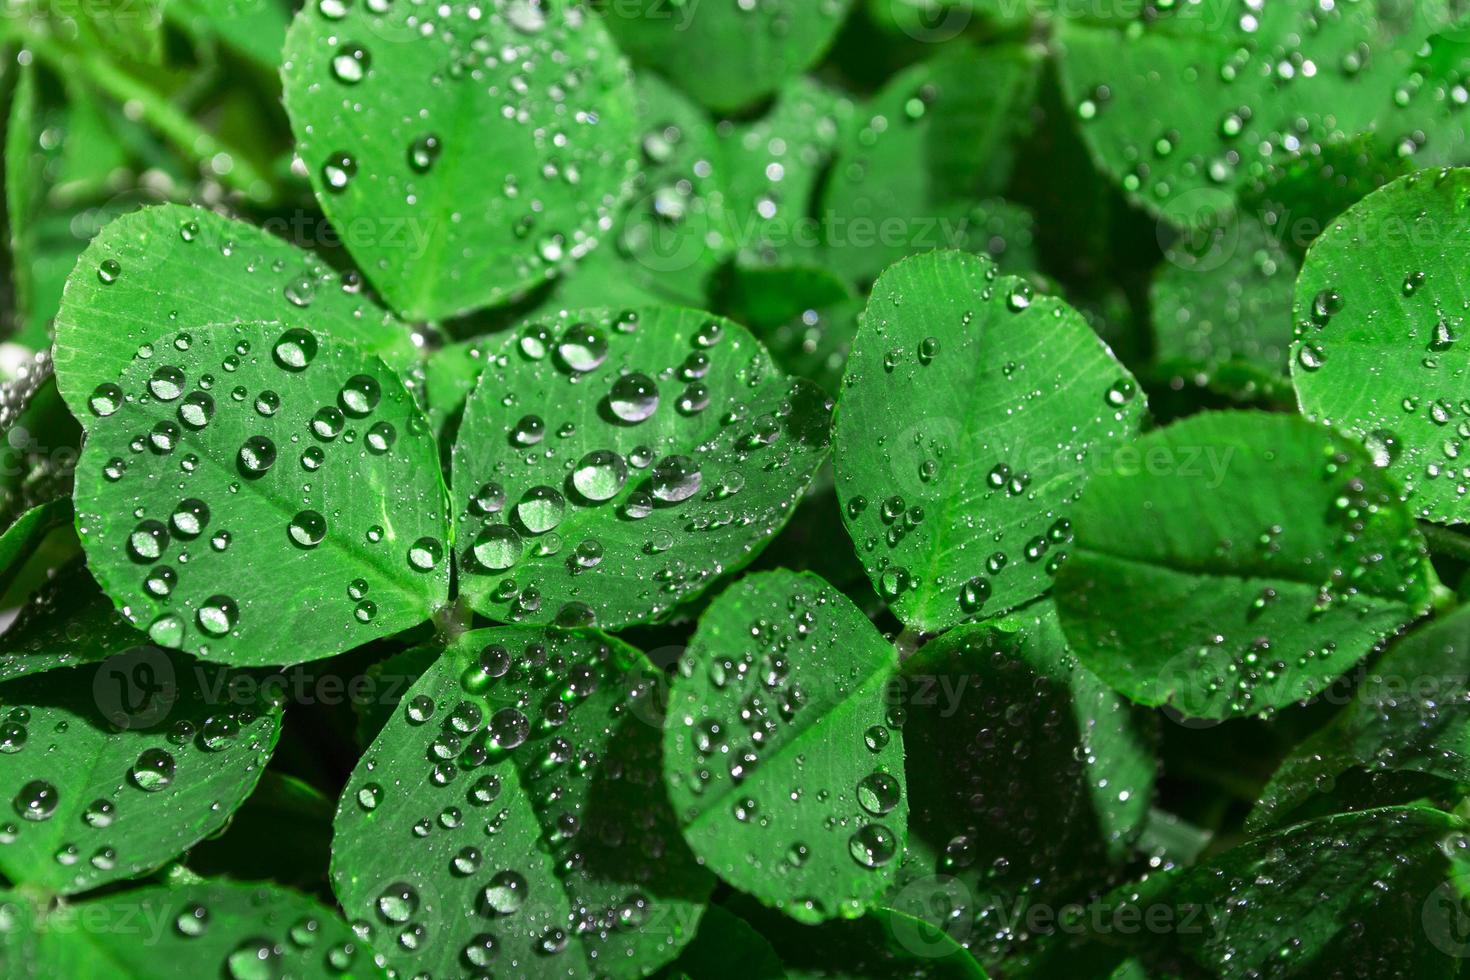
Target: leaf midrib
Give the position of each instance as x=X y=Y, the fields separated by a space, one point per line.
x=882 y=672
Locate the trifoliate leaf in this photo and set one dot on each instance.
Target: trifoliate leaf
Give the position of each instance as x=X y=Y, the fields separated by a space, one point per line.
x=725 y=55
x=263 y=495
x=610 y=466
x=1379 y=311
x=782 y=764
x=518 y=784
x=467 y=152
x=972 y=415
x=111 y=770
x=181 y=268
x=1028 y=779
x=1237 y=562
x=205 y=929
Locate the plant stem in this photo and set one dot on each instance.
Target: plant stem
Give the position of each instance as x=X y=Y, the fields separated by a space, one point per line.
x=1445 y=542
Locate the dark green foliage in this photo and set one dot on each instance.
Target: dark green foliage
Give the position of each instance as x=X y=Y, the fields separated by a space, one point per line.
x=735 y=488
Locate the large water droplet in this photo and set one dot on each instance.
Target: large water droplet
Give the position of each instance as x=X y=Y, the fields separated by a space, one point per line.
x=218 y=615
x=257 y=456
x=634 y=397
x=506 y=893
x=307 y=529
x=497 y=547
x=153 y=771
x=600 y=475
x=350 y=63
x=36 y=801
x=295 y=349
x=425 y=554
x=675 y=478
x=541 y=509
x=582 y=347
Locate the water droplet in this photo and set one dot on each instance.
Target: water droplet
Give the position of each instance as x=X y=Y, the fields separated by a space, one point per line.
x=196 y=410
x=873 y=846
x=1121 y=392
x=338 y=171
x=148 y=541
x=422 y=153
x=327 y=423
x=879 y=793
x=167 y=383
x=600 y=475
x=295 y=349
x=193 y=921
x=254 y=959
x=369 y=796
x=106 y=399
x=359 y=396
x=153 y=771
x=675 y=479
x=509 y=728
x=529 y=431
x=506 y=893
x=108 y=271
x=398 y=902
x=307 y=529
x=380 y=437
x=634 y=397
x=541 y=509
x=190 y=518
x=257 y=456
x=582 y=347
x=1325 y=305
x=167 y=630
x=497 y=547
x=425 y=554
x=218 y=615
x=350 y=63
x=299 y=291
x=36 y=801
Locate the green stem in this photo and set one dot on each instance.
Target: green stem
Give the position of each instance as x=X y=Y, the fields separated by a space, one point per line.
x=175 y=126
x=1445 y=543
